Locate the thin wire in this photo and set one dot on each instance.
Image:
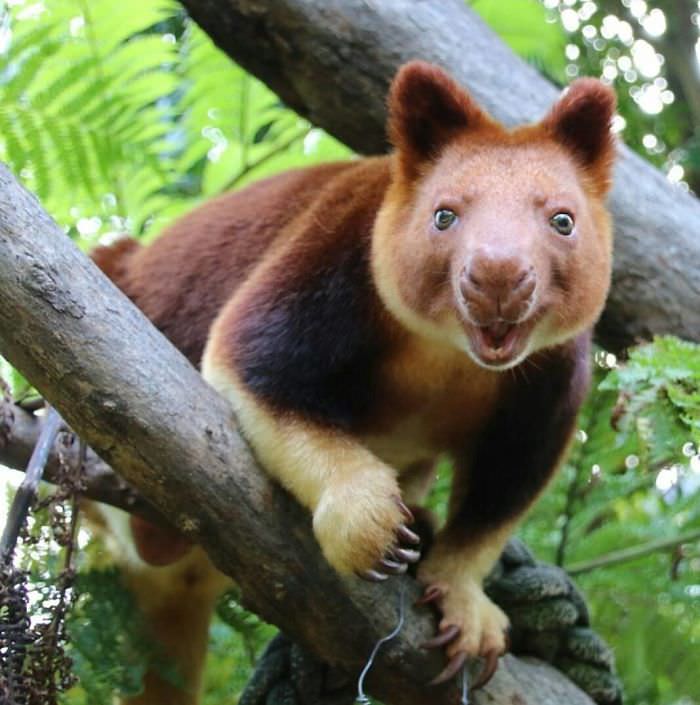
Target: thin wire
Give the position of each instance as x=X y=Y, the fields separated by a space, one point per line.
x=465 y=686
x=362 y=699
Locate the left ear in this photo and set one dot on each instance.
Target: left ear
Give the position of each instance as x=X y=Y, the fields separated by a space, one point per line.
x=581 y=120
x=428 y=109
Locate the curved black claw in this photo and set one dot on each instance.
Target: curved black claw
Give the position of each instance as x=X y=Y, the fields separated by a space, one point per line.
x=444 y=637
x=374 y=576
x=393 y=567
x=407 y=536
x=451 y=670
x=406 y=555
x=432 y=594
x=407 y=513
x=490 y=666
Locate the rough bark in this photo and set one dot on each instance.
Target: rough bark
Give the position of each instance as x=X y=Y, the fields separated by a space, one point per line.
x=332 y=60
x=19 y=433
x=142 y=407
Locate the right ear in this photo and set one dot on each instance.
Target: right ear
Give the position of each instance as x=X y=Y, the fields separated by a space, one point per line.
x=427 y=109
x=581 y=121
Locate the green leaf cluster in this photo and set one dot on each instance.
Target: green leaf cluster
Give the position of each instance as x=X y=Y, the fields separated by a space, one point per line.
x=529 y=31
x=108 y=642
x=633 y=478
x=120 y=116
x=660 y=384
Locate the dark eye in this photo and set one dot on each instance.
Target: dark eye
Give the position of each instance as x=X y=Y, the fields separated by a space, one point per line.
x=443 y=218
x=563 y=223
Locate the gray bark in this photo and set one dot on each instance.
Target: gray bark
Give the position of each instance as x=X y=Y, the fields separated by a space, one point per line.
x=140 y=405
x=332 y=60
x=19 y=433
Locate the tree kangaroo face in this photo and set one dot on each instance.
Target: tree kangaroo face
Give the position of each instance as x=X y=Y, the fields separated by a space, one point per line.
x=493 y=240
x=503 y=252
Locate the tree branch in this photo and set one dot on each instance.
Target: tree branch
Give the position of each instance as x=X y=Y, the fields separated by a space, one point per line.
x=19 y=435
x=147 y=412
x=26 y=493
x=630 y=554
x=332 y=60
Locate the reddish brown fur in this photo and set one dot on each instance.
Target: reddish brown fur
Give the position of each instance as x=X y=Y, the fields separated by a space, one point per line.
x=158 y=545
x=338 y=315
x=183 y=279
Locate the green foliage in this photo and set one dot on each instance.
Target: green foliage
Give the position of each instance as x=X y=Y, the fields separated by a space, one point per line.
x=84 y=120
x=528 y=30
x=108 y=645
x=629 y=485
x=661 y=388
x=19 y=387
x=120 y=116
x=236 y=640
x=610 y=39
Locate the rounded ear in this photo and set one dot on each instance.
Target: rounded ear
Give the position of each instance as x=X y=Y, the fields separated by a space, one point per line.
x=427 y=108
x=581 y=120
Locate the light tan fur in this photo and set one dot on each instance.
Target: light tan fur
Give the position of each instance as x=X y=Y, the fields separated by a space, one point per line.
x=459 y=573
x=351 y=493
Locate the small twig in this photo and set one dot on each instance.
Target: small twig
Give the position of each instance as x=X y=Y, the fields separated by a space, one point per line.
x=646 y=482
x=572 y=494
x=27 y=490
x=66 y=579
x=282 y=147
x=75 y=509
x=98 y=481
x=568 y=515
x=630 y=554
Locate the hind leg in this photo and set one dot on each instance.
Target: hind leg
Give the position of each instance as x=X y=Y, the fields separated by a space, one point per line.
x=177 y=602
x=175 y=587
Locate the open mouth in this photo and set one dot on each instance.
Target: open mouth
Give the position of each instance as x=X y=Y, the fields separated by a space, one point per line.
x=499 y=344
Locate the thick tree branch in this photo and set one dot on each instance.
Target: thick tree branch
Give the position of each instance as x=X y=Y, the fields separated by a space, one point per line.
x=19 y=433
x=332 y=60
x=147 y=412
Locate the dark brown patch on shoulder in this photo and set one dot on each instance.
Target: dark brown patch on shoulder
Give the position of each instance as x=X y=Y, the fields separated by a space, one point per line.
x=310 y=336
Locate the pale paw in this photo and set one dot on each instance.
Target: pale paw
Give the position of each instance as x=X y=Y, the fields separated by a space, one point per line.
x=362 y=528
x=471 y=627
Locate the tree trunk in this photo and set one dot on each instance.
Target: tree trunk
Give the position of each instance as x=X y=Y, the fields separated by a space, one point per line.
x=147 y=412
x=332 y=60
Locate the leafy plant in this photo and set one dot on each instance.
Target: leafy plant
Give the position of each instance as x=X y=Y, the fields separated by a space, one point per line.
x=108 y=644
x=632 y=482
x=121 y=116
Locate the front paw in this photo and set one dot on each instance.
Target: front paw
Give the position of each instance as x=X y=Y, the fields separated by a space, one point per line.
x=362 y=529
x=471 y=626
